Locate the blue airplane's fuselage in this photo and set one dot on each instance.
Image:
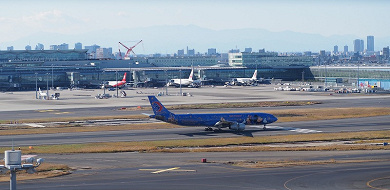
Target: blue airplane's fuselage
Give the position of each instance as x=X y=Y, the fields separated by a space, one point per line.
x=210 y=120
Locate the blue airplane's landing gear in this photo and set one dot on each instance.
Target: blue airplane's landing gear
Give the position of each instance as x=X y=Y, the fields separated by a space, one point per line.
x=208 y=129
x=264 y=128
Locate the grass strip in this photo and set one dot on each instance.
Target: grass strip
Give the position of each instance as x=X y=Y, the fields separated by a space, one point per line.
x=45 y=170
x=234 y=144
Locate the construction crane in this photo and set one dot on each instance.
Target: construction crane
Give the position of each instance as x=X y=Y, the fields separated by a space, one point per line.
x=128 y=49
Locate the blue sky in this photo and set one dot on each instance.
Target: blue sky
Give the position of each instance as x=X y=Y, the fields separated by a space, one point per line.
x=325 y=17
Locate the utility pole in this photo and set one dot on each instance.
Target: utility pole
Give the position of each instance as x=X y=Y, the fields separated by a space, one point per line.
x=166 y=83
x=357 y=82
x=52 y=76
x=47 y=86
x=36 y=85
x=104 y=86
x=180 y=82
x=116 y=76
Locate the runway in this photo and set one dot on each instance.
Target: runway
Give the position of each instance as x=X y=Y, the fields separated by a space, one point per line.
x=185 y=171
x=322 y=126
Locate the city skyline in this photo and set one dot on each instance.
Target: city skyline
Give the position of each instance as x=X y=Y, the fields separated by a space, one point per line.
x=73 y=20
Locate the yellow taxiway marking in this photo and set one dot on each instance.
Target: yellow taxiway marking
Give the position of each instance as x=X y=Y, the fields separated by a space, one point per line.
x=53 y=112
x=42 y=111
x=372 y=187
x=62 y=113
x=157 y=171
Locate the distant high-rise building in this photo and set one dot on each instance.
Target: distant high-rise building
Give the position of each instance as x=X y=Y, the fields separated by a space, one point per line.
x=345 y=49
x=39 y=47
x=358 y=45
x=28 y=47
x=386 y=52
x=78 y=45
x=307 y=53
x=211 y=51
x=180 y=52
x=91 y=49
x=53 y=47
x=262 y=50
x=104 y=53
x=322 y=53
x=234 y=51
x=63 y=46
x=191 y=52
x=10 y=48
x=248 y=50
x=370 y=43
x=335 y=49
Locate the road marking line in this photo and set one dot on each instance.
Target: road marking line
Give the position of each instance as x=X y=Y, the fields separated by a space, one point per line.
x=298 y=130
x=372 y=187
x=157 y=171
x=34 y=125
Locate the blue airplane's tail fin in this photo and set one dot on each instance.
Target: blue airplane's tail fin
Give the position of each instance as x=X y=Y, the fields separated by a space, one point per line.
x=159 y=110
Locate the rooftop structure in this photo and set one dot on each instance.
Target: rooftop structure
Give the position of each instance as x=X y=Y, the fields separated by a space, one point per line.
x=42 y=55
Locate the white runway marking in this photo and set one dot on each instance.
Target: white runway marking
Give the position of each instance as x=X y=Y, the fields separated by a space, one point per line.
x=298 y=130
x=34 y=125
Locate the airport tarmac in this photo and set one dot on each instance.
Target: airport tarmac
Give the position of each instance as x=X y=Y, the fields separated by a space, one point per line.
x=85 y=98
x=184 y=170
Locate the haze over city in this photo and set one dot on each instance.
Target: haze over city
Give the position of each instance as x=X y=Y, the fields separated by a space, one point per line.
x=166 y=26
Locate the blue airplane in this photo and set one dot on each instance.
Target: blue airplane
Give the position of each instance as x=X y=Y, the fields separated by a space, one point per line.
x=233 y=121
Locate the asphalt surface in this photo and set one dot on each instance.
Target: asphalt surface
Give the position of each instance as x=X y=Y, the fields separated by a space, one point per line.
x=185 y=171
x=336 y=125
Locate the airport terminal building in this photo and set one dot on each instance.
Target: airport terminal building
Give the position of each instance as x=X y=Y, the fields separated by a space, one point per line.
x=26 y=69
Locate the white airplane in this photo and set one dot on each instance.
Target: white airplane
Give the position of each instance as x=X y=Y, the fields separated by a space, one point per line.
x=245 y=81
x=114 y=84
x=184 y=82
x=42 y=95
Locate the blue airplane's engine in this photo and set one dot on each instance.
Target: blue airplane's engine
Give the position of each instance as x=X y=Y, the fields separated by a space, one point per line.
x=237 y=126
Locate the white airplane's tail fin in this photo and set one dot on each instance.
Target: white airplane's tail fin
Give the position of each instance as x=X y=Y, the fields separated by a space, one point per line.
x=254 y=77
x=124 y=78
x=191 y=74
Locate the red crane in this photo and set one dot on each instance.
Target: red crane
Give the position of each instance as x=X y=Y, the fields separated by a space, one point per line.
x=128 y=49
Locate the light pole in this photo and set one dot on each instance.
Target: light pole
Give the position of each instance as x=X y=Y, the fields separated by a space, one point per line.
x=47 y=86
x=104 y=86
x=116 y=76
x=180 y=82
x=357 y=82
x=52 y=76
x=36 y=85
x=166 y=83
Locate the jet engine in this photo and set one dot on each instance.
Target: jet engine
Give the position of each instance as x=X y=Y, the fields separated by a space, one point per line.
x=237 y=126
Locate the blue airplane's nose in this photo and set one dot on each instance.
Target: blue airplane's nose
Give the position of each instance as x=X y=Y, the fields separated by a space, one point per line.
x=273 y=119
